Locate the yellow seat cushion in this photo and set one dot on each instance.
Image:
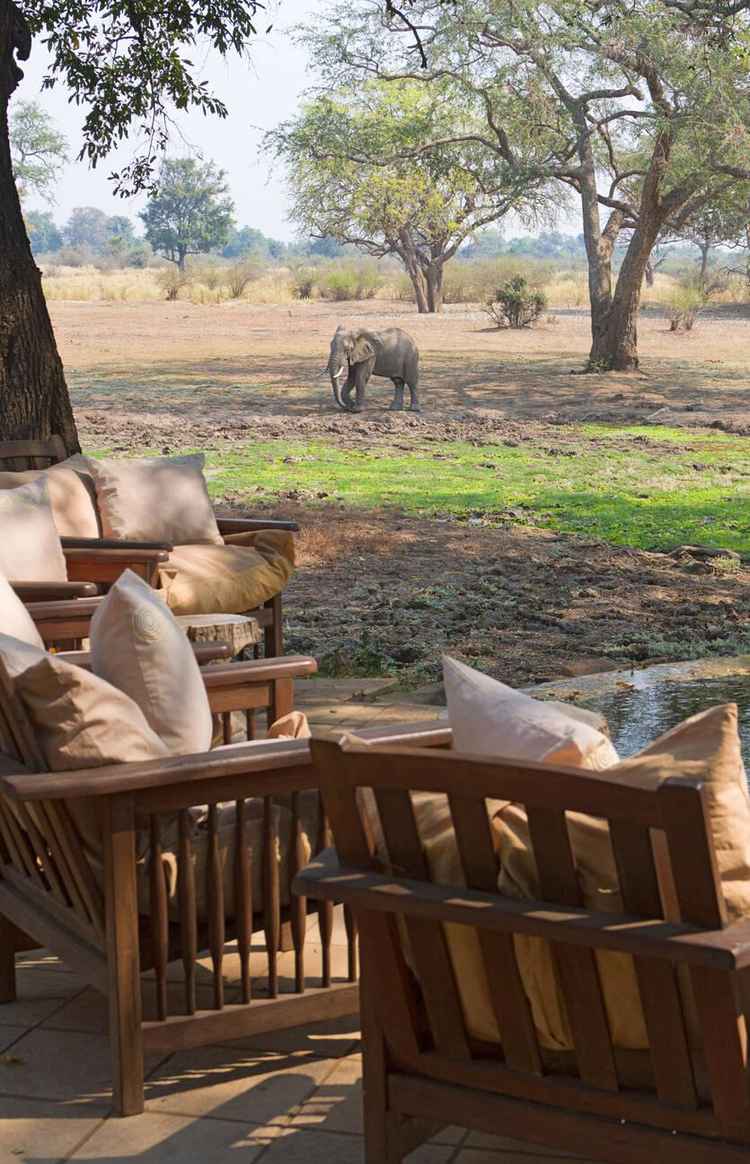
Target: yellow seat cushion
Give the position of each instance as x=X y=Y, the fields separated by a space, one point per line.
x=228 y=579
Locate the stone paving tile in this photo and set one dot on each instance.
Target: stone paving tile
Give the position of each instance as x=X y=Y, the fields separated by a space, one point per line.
x=228 y=1082
x=295 y=1146
x=157 y=1138
x=33 y=1131
x=9 y=1035
x=61 y=1065
x=328 y=1040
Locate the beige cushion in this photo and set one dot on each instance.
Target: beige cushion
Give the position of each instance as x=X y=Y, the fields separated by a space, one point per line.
x=227 y=579
x=71 y=493
x=30 y=549
x=137 y=646
x=155 y=499
x=78 y=720
x=15 y=619
x=489 y=719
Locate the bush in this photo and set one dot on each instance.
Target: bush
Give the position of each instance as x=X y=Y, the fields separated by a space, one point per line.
x=302 y=282
x=172 y=280
x=240 y=275
x=351 y=281
x=683 y=306
x=516 y=304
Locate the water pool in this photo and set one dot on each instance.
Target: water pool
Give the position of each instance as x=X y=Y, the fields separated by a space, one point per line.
x=638 y=714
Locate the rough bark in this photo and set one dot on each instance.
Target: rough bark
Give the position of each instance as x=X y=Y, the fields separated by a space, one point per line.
x=434 y=281
x=34 y=401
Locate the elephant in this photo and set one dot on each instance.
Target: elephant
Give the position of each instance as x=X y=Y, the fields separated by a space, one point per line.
x=390 y=353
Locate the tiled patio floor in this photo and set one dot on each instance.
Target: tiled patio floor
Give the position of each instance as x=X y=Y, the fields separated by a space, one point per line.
x=292 y=1097
x=286 y=1098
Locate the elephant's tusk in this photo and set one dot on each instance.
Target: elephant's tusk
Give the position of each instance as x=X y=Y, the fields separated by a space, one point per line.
x=340 y=372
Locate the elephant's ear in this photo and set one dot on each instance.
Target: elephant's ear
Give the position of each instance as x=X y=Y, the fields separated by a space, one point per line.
x=362 y=350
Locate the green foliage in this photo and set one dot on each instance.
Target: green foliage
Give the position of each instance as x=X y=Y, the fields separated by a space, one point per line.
x=683 y=306
x=44 y=236
x=38 y=151
x=348 y=184
x=130 y=64
x=342 y=281
x=191 y=212
x=515 y=304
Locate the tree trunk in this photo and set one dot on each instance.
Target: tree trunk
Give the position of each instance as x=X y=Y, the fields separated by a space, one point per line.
x=33 y=394
x=649 y=273
x=705 y=248
x=434 y=280
x=406 y=251
x=615 y=346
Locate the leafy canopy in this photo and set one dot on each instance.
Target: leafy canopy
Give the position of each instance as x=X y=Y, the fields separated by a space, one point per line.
x=191 y=212
x=38 y=150
x=130 y=62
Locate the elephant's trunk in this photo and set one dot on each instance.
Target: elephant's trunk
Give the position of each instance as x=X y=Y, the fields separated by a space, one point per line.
x=337 y=367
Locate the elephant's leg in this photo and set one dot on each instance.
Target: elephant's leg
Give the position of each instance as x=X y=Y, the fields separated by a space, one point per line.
x=346 y=391
x=414 y=406
x=361 y=378
x=397 y=404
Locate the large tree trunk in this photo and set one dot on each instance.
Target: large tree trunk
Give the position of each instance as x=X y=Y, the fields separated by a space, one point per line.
x=406 y=251
x=34 y=401
x=434 y=281
x=615 y=342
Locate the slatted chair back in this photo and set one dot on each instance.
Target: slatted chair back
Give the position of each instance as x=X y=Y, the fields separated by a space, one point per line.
x=41 y=855
x=433 y=1068
x=16 y=456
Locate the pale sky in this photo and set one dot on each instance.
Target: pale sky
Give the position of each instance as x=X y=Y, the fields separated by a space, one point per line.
x=260 y=92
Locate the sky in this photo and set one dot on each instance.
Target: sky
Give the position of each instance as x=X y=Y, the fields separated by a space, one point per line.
x=258 y=93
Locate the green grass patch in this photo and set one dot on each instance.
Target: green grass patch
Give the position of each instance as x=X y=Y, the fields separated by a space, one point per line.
x=617 y=483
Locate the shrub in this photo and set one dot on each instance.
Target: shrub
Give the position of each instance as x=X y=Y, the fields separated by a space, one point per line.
x=516 y=304
x=172 y=280
x=683 y=306
x=350 y=281
x=302 y=282
x=240 y=275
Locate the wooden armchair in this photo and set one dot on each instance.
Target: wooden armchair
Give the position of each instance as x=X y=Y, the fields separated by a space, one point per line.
x=98 y=562
x=99 y=917
x=423 y=1070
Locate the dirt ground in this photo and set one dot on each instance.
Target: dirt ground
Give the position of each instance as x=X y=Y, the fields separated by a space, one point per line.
x=378 y=592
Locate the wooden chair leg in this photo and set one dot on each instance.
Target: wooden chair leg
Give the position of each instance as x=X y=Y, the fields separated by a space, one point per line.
x=7 y=961
x=123 y=961
x=381 y=1139
x=273 y=635
x=282 y=699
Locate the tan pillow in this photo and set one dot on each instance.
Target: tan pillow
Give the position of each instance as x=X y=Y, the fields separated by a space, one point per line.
x=15 y=619
x=30 y=549
x=72 y=497
x=155 y=499
x=489 y=719
x=137 y=646
x=78 y=720
x=227 y=579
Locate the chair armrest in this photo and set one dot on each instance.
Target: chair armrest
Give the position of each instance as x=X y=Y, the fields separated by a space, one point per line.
x=233 y=525
x=79 y=608
x=112 y=544
x=53 y=591
x=327 y=879
x=258 y=671
x=118 y=556
x=263 y=760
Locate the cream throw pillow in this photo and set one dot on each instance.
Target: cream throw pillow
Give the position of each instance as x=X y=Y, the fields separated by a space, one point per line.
x=30 y=548
x=78 y=720
x=155 y=499
x=489 y=719
x=71 y=493
x=137 y=646
x=15 y=619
